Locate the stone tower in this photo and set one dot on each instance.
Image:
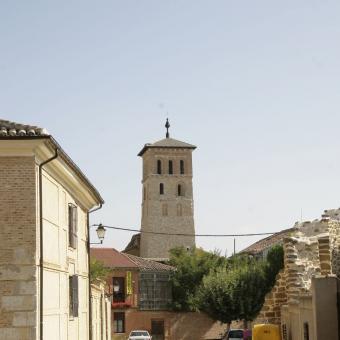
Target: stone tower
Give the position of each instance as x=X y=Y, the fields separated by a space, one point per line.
x=167 y=203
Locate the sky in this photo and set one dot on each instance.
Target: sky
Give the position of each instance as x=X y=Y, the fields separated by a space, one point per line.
x=254 y=84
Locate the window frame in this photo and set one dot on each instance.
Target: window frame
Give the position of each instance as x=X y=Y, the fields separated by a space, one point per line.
x=120 y=296
x=171 y=167
x=116 y=328
x=159 y=167
x=179 y=190
x=181 y=167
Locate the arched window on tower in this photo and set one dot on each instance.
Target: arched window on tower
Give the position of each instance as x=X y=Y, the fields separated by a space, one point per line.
x=171 y=170
x=181 y=167
x=159 y=167
x=161 y=189
x=179 y=190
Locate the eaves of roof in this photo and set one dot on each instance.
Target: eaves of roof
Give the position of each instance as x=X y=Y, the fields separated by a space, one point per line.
x=15 y=131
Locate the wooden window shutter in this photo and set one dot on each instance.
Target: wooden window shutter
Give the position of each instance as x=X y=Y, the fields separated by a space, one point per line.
x=75 y=226
x=70 y=288
x=72 y=225
x=70 y=221
x=75 y=296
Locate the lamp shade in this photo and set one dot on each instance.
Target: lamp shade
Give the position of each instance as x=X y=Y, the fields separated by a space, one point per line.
x=101 y=232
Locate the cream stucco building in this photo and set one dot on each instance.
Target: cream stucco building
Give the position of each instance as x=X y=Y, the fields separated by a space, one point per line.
x=45 y=202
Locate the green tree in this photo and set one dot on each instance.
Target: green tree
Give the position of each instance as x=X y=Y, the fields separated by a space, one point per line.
x=98 y=271
x=234 y=293
x=274 y=263
x=191 y=266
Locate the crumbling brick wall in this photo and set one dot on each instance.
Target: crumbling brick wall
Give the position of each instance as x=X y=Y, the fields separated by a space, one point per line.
x=271 y=310
x=306 y=254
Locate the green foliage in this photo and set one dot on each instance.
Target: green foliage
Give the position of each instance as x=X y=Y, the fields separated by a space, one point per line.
x=226 y=289
x=274 y=264
x=234 y=293
x=97 y=270
x=191 y=266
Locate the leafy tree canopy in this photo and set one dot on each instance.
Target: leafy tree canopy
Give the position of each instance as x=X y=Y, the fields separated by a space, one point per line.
x=191 y=266
x=226 y=289
x=98 y=271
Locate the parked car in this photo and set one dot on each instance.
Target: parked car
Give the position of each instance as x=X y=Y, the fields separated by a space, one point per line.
x=235 y=334
x=244 y=334
x=139 y=335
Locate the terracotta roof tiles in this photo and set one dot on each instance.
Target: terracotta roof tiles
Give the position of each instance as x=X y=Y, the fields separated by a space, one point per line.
x=12 y=129
x=268 y=242
x=112 y=258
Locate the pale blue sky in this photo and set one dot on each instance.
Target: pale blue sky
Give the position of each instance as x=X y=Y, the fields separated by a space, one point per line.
x=254 y=84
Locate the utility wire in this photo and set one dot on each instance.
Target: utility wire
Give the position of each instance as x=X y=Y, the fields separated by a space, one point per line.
x=179 y=234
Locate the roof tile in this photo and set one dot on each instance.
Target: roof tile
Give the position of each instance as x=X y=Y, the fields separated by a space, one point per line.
x=12 y=129
x=113 y=258
x=167 y=143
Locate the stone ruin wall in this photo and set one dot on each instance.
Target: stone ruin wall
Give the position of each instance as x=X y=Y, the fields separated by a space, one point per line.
x=313 y=250
x=334 y=245
x=271 y=309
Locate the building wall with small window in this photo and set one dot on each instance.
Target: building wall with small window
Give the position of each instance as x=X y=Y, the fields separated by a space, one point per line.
x=65 y=263
x=64 y=293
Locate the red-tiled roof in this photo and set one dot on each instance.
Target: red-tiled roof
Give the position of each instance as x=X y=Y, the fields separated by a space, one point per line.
x=145 y=264
x=112 y=258
x=268 y=242
x=12 y=130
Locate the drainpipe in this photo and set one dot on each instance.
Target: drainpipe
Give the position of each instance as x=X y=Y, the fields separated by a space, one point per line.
x=41 y=243
x=88 y=266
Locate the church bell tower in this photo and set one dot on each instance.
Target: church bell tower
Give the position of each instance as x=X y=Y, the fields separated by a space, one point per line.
x=167 y=202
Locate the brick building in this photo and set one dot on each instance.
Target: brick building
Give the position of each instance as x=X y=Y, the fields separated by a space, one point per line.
x=140 y=292
x=167 y=199
x=45 y=201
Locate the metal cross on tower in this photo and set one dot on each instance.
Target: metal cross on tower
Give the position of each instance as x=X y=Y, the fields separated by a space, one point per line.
x=167 y=125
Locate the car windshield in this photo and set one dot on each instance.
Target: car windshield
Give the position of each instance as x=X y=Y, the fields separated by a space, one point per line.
x=238 y=334
x=139 y=333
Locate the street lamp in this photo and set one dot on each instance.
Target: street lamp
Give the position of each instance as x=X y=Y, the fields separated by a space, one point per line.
x=100 y=233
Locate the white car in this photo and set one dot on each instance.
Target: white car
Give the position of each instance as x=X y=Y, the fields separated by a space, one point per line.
x=140 y=335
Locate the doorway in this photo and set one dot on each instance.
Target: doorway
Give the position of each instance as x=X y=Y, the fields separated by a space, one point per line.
x=157 y=329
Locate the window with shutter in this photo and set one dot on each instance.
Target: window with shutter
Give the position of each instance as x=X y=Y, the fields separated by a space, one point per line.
x=73 y=296
x=72 y=225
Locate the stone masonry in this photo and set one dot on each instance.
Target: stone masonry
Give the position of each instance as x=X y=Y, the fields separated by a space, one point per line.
x=18 y=296
x=170 y=209
x=312 y=251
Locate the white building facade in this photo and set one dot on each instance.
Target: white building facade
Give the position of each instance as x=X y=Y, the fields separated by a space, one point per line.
x=45 y=202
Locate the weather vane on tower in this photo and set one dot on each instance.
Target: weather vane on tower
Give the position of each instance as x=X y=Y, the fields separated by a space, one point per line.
x=167 y=125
